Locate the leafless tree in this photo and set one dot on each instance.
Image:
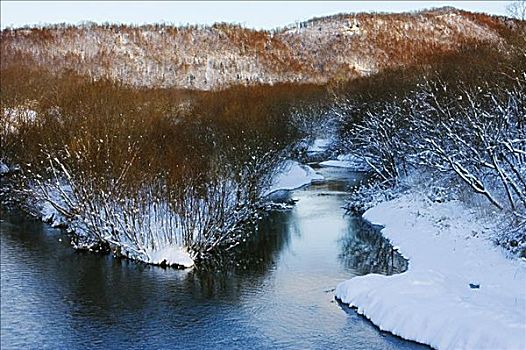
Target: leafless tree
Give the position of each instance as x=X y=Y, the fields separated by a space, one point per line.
x=479 y=135
x=375 y=138
x=517 y=9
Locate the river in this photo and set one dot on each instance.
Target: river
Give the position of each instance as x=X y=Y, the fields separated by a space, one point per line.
x=275 y=292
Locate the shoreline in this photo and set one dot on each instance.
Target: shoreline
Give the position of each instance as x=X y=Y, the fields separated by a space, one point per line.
x=292 y=176
x=460 y=290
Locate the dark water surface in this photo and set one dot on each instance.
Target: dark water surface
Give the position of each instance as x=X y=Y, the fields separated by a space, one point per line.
x=277 y=293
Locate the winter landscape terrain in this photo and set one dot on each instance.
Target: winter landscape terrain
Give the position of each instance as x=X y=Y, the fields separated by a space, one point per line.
x=367 y=164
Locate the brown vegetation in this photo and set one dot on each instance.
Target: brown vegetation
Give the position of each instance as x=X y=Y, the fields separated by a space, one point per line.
x=144 y=167
x=207 y=57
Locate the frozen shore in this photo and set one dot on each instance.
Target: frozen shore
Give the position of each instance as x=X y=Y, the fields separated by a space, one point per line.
x=460 y=290
x=294 y=175
x=346 y=161
x=165 y=255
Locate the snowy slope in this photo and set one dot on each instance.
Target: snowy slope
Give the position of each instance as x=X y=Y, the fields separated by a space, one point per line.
x=209 y=57
x=433 y=302
x=294 y=175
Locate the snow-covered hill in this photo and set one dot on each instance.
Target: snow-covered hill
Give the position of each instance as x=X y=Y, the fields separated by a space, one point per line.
x=322 y=49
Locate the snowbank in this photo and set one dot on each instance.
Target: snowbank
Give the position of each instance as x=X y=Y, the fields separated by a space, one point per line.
x=319 y=145
x=293 y=176
x=171 y=255
x=460 y=291
x=51 y=216
x=346 y=161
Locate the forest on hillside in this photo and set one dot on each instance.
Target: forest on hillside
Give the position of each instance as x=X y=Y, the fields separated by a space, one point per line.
x=321 y=50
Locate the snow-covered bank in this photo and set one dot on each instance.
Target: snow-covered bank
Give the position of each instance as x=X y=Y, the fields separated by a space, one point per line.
x=346 y=161
x=163 y=253
x=147 y=228
x=151 y=233
x=460 y=291
x=294 y=175
x=319 y=145
x=171 y=255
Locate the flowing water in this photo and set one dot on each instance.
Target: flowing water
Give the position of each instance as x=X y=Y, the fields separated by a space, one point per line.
x=277 y=291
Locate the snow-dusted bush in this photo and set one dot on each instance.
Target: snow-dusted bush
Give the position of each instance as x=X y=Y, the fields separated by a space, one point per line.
x=479 y=135
x=377 y=141
x=192 y=215
x=370 y=194
x=454 y=139
x=156 y=176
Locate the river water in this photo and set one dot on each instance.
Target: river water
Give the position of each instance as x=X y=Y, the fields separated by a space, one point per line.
x=275 y=292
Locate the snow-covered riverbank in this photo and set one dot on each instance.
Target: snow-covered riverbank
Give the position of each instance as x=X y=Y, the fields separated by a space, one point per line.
x=460 y=291
x=156 y=221
x=293 y=175
x=346 y=161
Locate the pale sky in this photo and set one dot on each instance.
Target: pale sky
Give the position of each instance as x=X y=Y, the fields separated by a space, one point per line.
x=253 y=14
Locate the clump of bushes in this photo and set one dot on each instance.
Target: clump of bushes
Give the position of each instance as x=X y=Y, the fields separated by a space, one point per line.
x=137 y=170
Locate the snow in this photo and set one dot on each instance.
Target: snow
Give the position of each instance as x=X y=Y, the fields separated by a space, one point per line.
x=13 y=117
x=346 y=161
x=171 y=255
x=294 y=175
x=48 y=213
x=51 y=215
x=336 y=163
x=164 y=254
x=319 y=145
x=432 y=302
x=4 y=169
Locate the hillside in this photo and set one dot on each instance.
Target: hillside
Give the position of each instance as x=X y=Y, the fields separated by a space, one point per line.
x=206 y=57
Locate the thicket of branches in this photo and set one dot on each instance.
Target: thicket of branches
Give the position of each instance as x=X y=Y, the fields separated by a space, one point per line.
x=135 y=170
x=465 y=128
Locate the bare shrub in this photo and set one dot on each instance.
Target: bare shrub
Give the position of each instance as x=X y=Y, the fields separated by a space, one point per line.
x=135 y=170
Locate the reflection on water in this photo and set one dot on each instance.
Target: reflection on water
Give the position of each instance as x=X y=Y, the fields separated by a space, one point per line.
x=274 y=291
x=365 y=250
x=260 y=250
